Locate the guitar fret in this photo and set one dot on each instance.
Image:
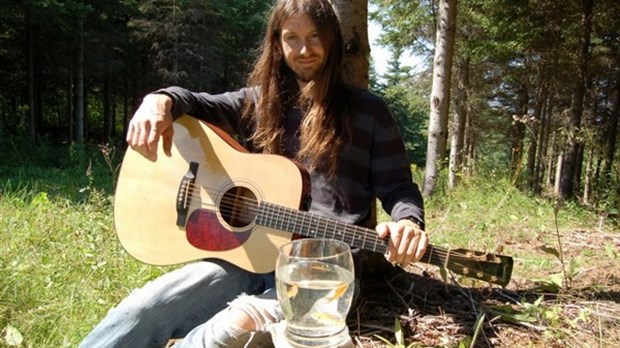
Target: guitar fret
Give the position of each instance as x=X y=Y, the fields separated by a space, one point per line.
x=325 y=229
x=361 y=242
x=280 y=220
x=294 y=220
x=343 y=236
x=338 y=231
x=288 y=224
x=316 y=228
x=355 y=238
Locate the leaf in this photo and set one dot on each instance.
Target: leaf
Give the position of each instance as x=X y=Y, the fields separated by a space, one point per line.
x=444 y=274
x=41 y=199
x=508 y=313
x=550 y=250
x=611 y=251
x=12 y=336
x=539 y=300
x=400 y=337
x=388 y=343
x=553 y=284
x=574 y=267
x=477 y=328
x=465 y=342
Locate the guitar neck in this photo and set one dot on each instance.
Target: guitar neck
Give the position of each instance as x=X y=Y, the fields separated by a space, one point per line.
x=489 y=267
x=315 y=226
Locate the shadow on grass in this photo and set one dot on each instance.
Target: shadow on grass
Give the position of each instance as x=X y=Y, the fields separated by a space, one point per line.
x=65 y=171
x=435 y=313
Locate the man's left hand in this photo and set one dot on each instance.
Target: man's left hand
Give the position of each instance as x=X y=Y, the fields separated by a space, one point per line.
x=407 y=242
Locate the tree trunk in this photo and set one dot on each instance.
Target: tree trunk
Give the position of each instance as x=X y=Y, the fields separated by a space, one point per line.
x=79 y=88
x=569 y=162
x=532 y=158
x=612 y=134
x=469 y=146
x=440 y=94
x=544 y=167
x=558 y=173
x=551 y=153
x=517 y=132
x=455 y=168
x=30 y=84
x=70 y=100
x=353 y=18
x=107 y=104
x=587 y=185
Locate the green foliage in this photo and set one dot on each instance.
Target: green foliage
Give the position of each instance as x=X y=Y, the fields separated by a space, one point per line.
x=499 y=215
x=412 y=119
x=61 y=265
x=57 y=169
x=405 y=24
x=406 y=99
x=131 y=49
x=470 y=341
x=552 y=317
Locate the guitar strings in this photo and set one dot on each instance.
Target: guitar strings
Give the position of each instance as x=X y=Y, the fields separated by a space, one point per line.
x=250 y=209
x=247 y=209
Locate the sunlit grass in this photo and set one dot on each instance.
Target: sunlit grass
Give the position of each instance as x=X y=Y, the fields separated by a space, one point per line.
x=488 y=213
x=62 y=267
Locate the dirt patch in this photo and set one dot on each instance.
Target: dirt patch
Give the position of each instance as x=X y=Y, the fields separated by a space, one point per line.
x=432 y=312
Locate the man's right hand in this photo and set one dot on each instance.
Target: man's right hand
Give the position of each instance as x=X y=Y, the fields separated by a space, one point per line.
x=151 y=121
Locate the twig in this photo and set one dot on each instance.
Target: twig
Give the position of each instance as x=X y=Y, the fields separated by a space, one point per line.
x=556 y=210
x=502 y=294
x=375 y=326
x=600 y=331
x=536 y=328
x=402 y=299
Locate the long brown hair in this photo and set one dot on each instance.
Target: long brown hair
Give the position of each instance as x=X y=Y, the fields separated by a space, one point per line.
x=325 y=101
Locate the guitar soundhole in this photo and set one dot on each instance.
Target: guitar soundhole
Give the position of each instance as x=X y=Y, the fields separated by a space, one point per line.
x=238 y=206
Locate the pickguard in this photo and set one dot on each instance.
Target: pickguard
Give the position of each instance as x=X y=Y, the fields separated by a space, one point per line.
x=237 y=208
x=205 y=231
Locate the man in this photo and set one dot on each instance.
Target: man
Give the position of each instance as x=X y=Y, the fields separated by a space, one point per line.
x=295 y=105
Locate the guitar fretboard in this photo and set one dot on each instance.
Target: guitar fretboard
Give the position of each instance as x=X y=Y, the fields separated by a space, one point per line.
x=315 y=226
x=485 y=266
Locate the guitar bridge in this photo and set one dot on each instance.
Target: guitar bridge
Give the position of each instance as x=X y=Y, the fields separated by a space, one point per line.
x=184 y=194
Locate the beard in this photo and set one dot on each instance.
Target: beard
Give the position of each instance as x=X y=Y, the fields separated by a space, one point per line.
x=305 y=74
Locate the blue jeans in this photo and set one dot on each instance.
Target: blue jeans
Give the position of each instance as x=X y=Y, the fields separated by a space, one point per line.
x=177 y=303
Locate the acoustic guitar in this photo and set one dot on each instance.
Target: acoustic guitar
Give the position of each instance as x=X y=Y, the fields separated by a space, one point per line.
x=213 y=199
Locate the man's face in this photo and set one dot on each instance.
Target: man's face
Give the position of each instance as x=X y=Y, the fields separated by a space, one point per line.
x=302 y=48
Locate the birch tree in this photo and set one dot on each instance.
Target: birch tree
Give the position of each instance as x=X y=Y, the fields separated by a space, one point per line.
x=458 y=125
x=440 y=94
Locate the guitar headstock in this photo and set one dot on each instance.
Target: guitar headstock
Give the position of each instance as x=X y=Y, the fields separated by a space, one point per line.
x=492 y=268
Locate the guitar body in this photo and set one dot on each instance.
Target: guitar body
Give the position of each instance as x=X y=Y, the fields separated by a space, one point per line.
x=198 y=203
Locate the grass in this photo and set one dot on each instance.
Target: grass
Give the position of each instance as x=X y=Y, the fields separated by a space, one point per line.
x=60 y=263
x=62 y=268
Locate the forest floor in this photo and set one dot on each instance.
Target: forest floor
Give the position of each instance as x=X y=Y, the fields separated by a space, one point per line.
x=433 y=313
